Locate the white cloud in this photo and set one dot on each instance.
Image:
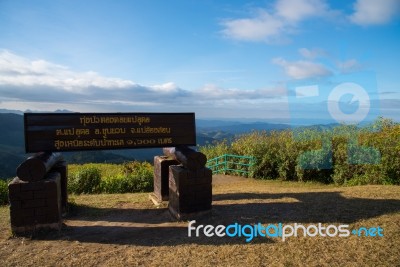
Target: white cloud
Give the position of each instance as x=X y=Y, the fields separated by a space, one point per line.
x=283 y=19
x=302 y=69
x=39 y=83
x=373 y=12
x=166 y=87
x=309 y=67
x=312 y=53
x=19 y=71
x=297 y=10
x=258 y=28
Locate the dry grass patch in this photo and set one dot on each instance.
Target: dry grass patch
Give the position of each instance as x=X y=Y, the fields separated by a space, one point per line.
x=126 y=229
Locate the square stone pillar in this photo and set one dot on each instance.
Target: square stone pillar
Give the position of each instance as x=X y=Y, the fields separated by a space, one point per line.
x=190 y=192
x=161 y=172
x=35 y=205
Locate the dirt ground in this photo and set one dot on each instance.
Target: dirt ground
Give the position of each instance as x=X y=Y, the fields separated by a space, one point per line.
x=127 y=229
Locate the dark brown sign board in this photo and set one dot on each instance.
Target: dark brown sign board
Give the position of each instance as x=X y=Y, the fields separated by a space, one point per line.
x=104 y=131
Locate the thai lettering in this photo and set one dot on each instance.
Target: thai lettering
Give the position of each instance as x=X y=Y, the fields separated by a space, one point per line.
x=109 y=131
x=151 y=130
x=96 y=143
x=85 y=120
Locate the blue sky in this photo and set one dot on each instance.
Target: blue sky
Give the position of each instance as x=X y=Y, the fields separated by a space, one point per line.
x=220 y=59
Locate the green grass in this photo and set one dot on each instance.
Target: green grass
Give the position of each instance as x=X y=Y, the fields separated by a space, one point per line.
x=3 y=191
x=110 y=178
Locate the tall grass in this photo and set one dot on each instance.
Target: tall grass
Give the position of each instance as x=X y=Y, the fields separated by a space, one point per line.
x=345 y=154
x=110 y=178
x=3 y=191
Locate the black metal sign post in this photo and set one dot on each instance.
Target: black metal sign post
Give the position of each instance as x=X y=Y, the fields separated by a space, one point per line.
x=52 y=132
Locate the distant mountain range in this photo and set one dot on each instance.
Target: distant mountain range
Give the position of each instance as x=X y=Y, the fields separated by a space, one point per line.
x=240 y=128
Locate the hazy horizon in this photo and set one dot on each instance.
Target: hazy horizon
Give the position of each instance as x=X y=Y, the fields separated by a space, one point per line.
x=225 y=121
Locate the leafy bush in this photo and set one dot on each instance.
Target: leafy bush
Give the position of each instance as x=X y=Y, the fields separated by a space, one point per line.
x=114 y=178
x=346 y=154
x=263 y=147
x=3 y=192
x=86 y=180
x=216 y=149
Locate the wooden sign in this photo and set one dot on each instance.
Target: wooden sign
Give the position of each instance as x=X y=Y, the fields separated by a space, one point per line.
x=104 y=131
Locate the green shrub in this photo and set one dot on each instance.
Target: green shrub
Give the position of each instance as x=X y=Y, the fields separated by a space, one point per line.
x=263 y=147
x=139 y=176
x=346 y=154
x=111 y=178
x=216 y=149
x=86 y=180
x=3 y=192
x=112 y=184
x=131 y=177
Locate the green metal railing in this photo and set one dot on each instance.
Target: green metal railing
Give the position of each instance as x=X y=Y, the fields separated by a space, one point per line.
x=231 y=163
